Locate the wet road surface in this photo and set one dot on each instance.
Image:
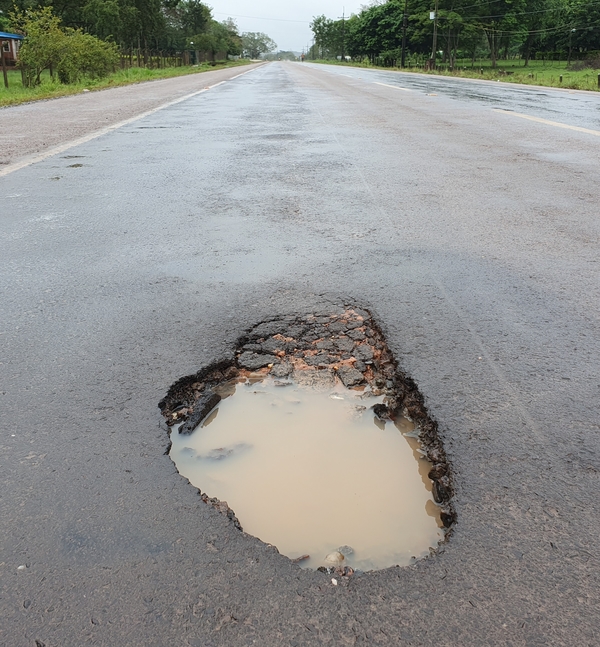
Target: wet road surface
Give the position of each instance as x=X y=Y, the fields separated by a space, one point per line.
x=140 y=256
x=32 y=131
x=572 y=107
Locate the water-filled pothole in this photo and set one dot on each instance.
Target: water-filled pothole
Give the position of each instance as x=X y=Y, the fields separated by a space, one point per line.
x=309 y=470
x=318 y=442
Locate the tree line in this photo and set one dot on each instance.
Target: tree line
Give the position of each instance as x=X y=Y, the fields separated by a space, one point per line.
x=498 y=29
x=169 y=25
x=85 y=37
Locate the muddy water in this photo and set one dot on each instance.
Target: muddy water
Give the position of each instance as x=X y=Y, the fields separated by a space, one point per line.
x=310 y=470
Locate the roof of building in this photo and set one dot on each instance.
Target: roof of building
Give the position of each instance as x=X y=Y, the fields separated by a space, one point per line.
x=6 y=36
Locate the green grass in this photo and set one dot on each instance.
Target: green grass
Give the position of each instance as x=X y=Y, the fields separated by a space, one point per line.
x=51 y=89
x=513 y=71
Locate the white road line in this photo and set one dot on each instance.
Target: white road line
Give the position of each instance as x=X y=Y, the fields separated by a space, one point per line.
x=396 y=87
x=11 y=168
x=237 y=76
x=539 y=120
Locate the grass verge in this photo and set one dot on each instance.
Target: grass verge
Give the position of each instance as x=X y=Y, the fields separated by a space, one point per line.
x=51 y=88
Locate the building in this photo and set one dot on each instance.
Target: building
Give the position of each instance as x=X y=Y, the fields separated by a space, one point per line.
x=10 y=47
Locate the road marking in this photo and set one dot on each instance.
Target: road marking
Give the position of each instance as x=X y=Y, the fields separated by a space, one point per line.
x=11 y=168
x=558 y=124
x=396 y=87
x=237 y=76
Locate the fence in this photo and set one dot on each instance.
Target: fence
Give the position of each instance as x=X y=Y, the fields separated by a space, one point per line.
x=134 y=57
x=158 y=59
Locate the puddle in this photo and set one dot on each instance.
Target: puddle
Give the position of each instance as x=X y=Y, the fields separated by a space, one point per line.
x=311 y=470
x=313 y=440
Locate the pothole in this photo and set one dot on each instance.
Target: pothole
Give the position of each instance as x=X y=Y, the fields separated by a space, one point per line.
x=319 y=443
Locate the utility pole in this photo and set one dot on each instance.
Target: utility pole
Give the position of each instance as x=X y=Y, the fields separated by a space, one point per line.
x=404 y=26
x=570 y=49
x=434 y=48
x=343 y=32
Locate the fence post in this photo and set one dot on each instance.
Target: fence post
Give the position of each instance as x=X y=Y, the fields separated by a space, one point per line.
x=4 y=72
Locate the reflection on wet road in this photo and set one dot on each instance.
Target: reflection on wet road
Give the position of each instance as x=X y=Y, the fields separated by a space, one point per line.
x=576 y=108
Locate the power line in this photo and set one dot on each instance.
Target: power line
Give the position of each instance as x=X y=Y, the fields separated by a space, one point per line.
x=539 y=31
x=490 y=2
x=233 y=15
x=521 y=13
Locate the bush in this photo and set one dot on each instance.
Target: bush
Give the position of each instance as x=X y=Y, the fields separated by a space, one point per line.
x=590 y=63
x=70 y=52
x=42 y=44
x=85 y=55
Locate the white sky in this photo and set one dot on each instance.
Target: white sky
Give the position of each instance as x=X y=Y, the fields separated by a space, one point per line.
x=285 y=21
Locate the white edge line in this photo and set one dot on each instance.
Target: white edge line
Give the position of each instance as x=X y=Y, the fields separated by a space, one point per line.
x=11 y=168
x=237 y=76
x=396 y=87
x=540 y=120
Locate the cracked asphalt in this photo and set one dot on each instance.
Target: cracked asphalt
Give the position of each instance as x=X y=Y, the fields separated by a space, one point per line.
x=139 y=256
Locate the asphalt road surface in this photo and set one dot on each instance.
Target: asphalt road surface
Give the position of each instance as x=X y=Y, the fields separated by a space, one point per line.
x=139 y=256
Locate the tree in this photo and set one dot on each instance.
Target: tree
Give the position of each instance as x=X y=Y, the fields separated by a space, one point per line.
x=281 y=55
x=4 y=24
x=323 y=31
x=70 y=52
x=234 y=40
x=102 y=18
x=585 y=20
x=185 y=20
x=255 y=43
x=195 y=17
x=44 y=42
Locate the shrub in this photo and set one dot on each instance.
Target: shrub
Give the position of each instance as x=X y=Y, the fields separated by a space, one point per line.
x=83 y=55
x=70 y=52
x=43 y=41
x=590 y=63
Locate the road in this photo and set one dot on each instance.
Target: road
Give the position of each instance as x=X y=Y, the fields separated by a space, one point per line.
x=141 y=255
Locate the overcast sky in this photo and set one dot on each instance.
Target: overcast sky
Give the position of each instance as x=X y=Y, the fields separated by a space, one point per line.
x=286 y=22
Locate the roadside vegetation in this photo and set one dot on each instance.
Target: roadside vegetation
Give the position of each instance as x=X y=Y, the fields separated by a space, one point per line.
x=93 y=44
x=50 y=88
x=524 y=41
